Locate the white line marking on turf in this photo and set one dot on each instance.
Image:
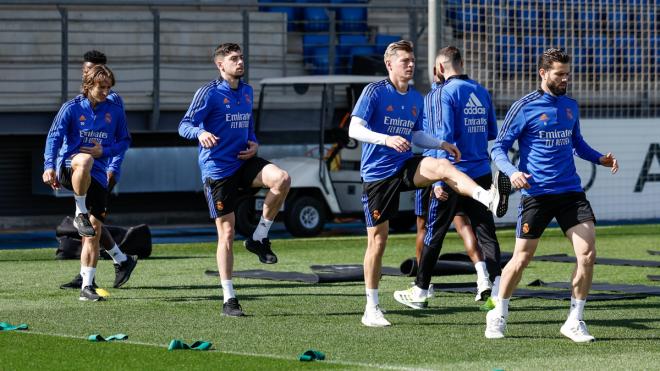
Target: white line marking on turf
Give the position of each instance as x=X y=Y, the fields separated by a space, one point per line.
x=274 y=356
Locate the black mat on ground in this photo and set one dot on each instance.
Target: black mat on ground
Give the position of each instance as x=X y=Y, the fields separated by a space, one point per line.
x=133 y=241
x=653 y=252
x=539 y=294
x=563 y=258
x=321 y=274
x=603 y=286
x=653 y=277
x=449 y=264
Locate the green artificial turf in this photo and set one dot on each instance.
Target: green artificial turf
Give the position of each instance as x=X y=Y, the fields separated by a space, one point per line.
x=169 y=297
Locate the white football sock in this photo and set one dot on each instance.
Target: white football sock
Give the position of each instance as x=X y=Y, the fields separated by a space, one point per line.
x=87 y=274
x=227 y=290
x=482 y=273
x=117 y=255
x=496 y=287
x=482 y=196
x=577 y=309
x=502 y=307
x=262 y=229
x=81 y=208
x=372 y=298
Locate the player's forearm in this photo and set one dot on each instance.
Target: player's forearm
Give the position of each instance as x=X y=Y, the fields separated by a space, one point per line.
x=585 y=152
x=358 y=131
x=424 y=140
x=50 y=153
x=117 y=148
x=188 y=130
x=499 y=156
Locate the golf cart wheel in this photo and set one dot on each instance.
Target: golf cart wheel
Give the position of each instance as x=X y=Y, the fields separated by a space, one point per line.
x=247 y=217
x=305 y=217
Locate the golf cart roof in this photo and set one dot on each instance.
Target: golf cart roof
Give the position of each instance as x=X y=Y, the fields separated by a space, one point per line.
x=321 y=80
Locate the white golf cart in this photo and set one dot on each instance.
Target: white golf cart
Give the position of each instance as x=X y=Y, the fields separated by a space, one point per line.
x=302 y=126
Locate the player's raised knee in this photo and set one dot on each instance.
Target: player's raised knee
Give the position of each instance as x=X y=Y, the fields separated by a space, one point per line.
x=282 y=181
x=83 y=161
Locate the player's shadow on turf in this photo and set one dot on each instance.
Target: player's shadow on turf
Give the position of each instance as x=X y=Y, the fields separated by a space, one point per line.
x=430 y=312
x=180 y=287
x=629 y=323
x=294 y=285
x=178 y=257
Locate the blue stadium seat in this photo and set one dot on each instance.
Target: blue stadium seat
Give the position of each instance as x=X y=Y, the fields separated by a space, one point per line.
x=348 y=42
x=617 y=19
x=454 y=12
x=316 y=19
x=625 y=42
x=383 y=40
x=504 y=42
x=319 y=62
x=351 y=19
x=501 y=18
x=293 y=15
x=533 y=46
x=557 y=20
x=358 y=51
x=558 y=42
x=473 y=20
x=313 y=42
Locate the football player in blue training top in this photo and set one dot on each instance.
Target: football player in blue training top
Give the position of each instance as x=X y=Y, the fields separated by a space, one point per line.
x=220 y=118
x=86 y=134
x=546 y=124
x=459 y=112
x=124 y=264
x=387 y=118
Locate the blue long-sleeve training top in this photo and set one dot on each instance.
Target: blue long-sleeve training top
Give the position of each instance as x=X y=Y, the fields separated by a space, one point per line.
x=547 y=128
x=115 y=162
x=77 y=125
x=433 y=112
x=463 y=114
x=392 y=113
x=226 y=113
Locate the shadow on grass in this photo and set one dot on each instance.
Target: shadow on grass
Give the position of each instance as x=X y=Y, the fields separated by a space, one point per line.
x=179 y=257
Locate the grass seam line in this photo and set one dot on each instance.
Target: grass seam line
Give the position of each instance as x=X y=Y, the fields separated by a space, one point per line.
x=274 y=356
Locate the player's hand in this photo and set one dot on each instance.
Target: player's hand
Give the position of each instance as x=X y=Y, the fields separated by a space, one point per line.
x=519 y=180
x=96 y=151
x=610 y=161
x=112 y=179
x=50 y=178
x=208 y=140
x=452 y=150
x=440 y=193
x=249 y=152
x=398 y=143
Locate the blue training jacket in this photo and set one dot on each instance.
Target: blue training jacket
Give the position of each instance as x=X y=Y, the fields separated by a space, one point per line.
x=115 y=163
x=77 y=125
x=548 y=132
x=462 y=114
x=227 y=113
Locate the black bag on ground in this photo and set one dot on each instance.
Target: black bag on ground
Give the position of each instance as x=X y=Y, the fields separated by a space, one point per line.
x=132 y=241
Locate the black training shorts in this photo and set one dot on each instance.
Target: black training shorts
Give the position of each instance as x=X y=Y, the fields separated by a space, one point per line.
x=536 y=212
x=222 y=194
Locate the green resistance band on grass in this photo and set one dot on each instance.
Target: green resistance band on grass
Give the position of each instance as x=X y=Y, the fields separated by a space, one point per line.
x=99 y=338
x=4 y=326
x=311 y=355
x=198 y=345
